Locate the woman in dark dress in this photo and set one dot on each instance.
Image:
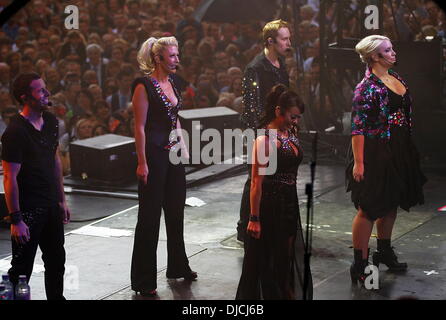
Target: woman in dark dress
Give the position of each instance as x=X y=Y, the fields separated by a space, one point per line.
x=273 y=265
x=384 y=168
x=162 y=184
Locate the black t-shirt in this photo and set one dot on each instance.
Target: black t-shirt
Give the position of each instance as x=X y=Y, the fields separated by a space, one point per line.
x=35 y=151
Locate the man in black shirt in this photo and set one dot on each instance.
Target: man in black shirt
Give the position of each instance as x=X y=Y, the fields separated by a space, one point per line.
x=265 y=71
x=33 y=186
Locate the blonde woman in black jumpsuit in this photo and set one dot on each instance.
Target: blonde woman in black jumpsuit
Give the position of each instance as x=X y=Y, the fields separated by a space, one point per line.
x=162 y=184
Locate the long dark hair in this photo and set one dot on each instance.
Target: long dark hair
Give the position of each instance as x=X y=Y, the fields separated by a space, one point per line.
x=283 y=97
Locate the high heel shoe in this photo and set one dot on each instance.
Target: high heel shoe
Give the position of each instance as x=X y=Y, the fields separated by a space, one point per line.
x=190 y=275
x=385 y=254
x=357 y=268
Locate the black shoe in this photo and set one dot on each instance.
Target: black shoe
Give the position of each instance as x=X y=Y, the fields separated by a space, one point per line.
x=147 y=293
x=388 y=257
x=357 y=269
x=190 y=275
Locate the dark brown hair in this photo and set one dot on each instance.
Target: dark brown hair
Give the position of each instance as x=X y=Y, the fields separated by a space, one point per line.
x=22 y=85
x=283 y=97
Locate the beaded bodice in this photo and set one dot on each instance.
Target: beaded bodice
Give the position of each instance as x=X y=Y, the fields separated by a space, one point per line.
x=287 y=160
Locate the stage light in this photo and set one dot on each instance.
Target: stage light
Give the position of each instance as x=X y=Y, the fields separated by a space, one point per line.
x=442 y=209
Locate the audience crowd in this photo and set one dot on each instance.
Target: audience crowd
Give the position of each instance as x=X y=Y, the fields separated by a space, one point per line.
x=89 y=71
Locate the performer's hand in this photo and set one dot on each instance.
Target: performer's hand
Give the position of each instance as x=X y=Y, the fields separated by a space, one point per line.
x=142 y=172
x=65 y=212
x=358 y=171
x=254 y=229
x=20 y=232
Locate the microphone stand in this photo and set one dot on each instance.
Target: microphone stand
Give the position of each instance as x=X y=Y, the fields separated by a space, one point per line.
x=309 y=187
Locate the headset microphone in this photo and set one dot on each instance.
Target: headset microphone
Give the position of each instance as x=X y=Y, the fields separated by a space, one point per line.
x=382 y=57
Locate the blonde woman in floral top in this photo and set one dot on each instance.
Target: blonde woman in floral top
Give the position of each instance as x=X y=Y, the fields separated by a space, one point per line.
x=384 y=168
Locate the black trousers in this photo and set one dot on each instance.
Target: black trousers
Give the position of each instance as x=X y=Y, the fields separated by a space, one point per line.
x=166 y=189
x=245 y=208
x=46 y=231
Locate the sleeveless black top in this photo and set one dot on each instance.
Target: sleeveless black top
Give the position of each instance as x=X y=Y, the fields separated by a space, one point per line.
x=162 y=115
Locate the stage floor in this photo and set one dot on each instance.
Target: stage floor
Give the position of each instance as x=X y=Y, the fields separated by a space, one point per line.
x=99 y=245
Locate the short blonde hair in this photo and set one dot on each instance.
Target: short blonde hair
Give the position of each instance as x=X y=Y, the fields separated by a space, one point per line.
x=150 y=48
x=368 y=46
x=271 y=29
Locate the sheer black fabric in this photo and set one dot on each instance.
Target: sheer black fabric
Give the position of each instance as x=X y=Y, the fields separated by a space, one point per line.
x=273 y=266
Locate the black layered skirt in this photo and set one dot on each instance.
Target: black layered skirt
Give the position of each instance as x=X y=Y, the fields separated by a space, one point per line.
x=273 y=266
x=392 y=175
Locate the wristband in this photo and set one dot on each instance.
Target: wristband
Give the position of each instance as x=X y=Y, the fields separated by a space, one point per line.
x=253 y=218
x=14 y=217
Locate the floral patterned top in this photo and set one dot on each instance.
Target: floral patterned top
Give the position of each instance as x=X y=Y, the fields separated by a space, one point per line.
x=371 y=110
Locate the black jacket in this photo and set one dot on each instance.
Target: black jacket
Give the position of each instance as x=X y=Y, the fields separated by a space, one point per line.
x=260 y=76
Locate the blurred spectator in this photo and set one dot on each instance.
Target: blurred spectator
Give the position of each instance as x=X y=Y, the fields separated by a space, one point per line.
x=102 y=111
x=41 y=65
x=71 y=92
x=206 y=95
x=235 y=72
x=96 y=62
x=5 y=98
x=99 y=130
x=130 y=34
x=115 y=5
x=249 y=35
x=118 y=125
x=6 y=115
x=227 y=36
x=223 y=81
x=85 y=102
x=195 y=30
x=189 y=48
x=121 y=98
x=52 y=80
x=5 y=75
x=110 y=87
x=236 y=87
x=112 y=69
x=205 y=50
x=13 y=60
x=26 y=64
x=221 y=61
x=307 y=12
x=89 y=77
x=117 y=54
x=96 y=92
x=99 y=12
x=134 y=10
x=83 y=129
x=188 y=98
x=225 y=100
x=73 y=48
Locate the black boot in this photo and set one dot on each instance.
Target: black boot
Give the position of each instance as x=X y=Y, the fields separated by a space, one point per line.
x=385 y=254
x=357 y=269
